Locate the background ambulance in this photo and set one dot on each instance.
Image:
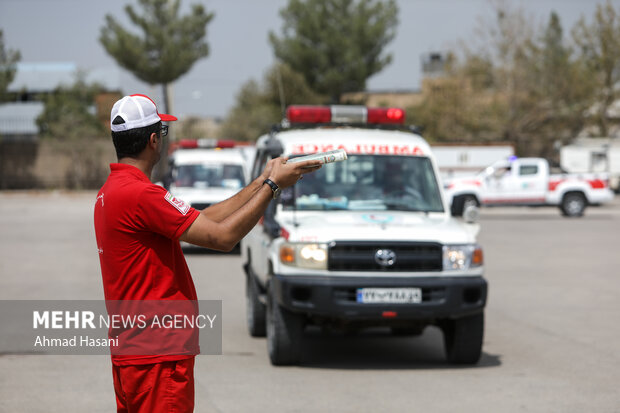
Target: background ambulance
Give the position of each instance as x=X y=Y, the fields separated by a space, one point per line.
x=206 y=171
x=528 y=182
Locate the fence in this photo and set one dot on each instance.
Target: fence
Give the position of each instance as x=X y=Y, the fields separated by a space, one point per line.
x=55 y=164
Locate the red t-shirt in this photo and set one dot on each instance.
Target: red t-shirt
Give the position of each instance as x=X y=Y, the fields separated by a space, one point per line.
x=137 y=226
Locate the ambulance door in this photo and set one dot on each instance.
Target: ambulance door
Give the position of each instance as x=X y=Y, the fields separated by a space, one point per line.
x=257 y=238
x=498 y=183
x=531 y=181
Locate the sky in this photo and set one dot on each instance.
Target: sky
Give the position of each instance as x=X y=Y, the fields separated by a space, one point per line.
x=68 y=31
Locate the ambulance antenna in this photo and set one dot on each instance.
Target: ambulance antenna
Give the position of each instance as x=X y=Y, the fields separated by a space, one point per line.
x=280 y=88
x=295 y=223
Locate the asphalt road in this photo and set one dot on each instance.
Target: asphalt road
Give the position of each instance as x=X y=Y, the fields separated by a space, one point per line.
x=552 y=336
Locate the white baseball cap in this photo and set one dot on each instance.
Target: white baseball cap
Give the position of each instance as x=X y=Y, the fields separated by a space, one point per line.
x=135 y=111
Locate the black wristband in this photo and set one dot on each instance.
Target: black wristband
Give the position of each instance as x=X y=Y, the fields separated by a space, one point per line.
x=274 y=187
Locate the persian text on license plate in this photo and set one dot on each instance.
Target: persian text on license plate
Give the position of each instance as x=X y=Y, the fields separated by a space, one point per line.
x=389 y=295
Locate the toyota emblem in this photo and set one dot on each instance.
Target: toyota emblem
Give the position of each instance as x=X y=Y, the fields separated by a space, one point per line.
x=385 y=258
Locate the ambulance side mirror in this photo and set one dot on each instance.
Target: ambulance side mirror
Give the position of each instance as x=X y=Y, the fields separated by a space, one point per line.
x=274 y=147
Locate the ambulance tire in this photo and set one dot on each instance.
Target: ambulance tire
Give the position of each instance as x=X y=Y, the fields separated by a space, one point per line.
x=459 y=203
x=463 y=339
x=573 y=204
x=284 y=334
x=256 y=311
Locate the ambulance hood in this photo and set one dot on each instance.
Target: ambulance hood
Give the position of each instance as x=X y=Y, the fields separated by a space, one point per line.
x=327 y=226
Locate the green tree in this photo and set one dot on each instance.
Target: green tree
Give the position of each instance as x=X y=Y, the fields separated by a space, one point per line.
x=70 y=123
x=561 y=87
x=336 y=44
x=69 y=112
x=258 y=106
x=554 y=59
x=599 y=45
x=523 y=85
x=252 y=114
x=8 y=61
x=482 y=93
x=167 y=48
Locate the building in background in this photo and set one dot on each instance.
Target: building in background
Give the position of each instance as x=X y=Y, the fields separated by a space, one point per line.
x=455 y=160
x=25 y=160
x=587 y=155
x=18 y=121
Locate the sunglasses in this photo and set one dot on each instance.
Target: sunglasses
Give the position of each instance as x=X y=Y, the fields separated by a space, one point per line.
x=164 y=130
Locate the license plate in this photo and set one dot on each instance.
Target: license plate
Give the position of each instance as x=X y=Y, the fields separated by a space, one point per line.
x=389 y=295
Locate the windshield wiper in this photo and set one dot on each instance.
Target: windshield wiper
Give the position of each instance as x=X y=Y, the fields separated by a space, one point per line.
x=394 y=205
x=321 y=204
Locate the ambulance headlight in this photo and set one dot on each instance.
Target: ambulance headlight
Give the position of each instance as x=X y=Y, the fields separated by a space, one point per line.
x=461 y=257
x=304 y=255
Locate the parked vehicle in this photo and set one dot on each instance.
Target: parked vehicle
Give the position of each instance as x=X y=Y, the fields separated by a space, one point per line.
x=593 y=155
x=527 y=181
x=361 y=243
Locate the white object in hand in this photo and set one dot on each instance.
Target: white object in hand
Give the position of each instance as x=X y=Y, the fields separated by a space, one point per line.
x=325 y=157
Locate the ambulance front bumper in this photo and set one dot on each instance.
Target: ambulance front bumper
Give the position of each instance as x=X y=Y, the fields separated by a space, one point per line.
x=341 y=297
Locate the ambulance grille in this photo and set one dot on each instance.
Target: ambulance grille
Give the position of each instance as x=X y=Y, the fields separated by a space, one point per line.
x=409 y=256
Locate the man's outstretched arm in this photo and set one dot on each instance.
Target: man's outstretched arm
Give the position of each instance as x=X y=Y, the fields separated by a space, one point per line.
x=222 y=210
x=224 y=235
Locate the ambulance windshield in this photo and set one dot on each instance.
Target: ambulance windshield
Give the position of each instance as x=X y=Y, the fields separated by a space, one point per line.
x=369 y=182
x=209 y=176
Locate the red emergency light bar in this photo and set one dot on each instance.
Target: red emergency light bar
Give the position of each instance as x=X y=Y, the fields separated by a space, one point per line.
x=309 y=114
x=386 y=115
x=344 y=114
x=205 y=143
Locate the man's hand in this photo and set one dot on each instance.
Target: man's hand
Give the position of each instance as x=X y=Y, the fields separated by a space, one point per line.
x=225 y=234
x=269 y=167
x=287 y=174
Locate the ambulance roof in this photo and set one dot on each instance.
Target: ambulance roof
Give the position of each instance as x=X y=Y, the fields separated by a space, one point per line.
x=353 y=140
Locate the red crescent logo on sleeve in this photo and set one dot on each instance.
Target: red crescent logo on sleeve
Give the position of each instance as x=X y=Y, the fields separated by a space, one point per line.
x=177 y=203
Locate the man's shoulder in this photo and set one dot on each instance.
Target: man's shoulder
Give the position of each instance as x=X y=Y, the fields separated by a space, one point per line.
x=131 y=184
x=128 y=191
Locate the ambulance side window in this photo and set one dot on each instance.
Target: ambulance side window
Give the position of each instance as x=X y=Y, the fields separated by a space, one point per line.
x=528 y=170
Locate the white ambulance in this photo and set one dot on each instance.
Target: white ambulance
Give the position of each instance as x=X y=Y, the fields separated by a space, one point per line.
x=528 y=182
x=366 y=242
x=206 y=171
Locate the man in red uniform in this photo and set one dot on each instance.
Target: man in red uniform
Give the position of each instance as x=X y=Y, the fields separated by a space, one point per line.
x=138 y=226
